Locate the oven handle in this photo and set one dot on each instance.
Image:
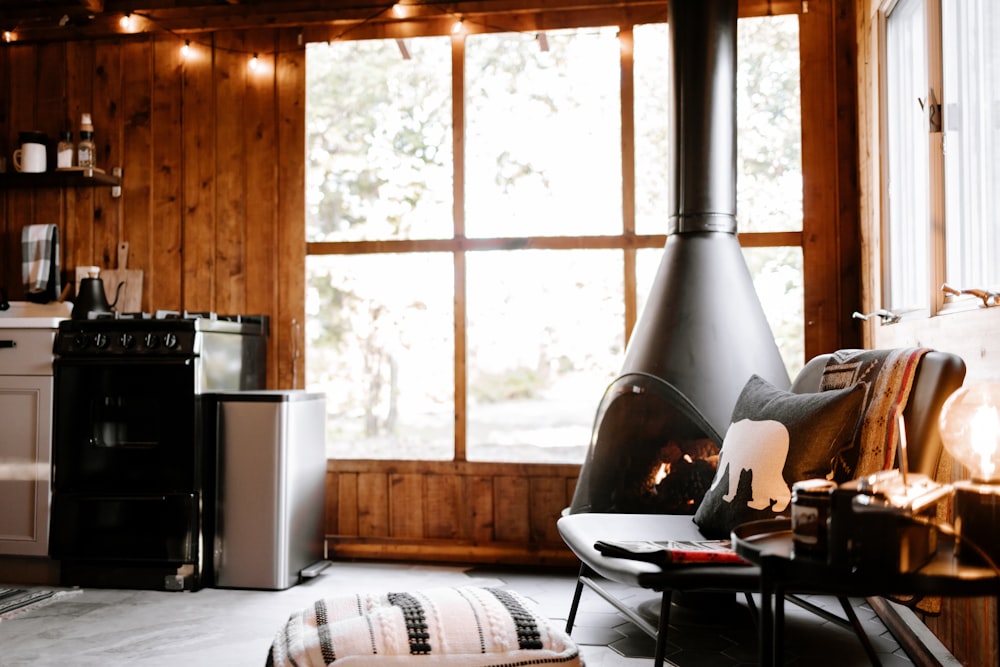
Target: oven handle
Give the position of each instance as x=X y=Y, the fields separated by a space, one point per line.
x=123 y=361
x=8 y=343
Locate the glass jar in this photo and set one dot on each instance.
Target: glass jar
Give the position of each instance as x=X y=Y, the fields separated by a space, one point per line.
x=811 y=501
x=64 y=151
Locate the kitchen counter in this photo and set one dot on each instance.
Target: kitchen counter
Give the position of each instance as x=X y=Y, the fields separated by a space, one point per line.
x=27 y=315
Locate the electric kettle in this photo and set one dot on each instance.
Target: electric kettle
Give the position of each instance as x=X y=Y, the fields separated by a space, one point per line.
x=90 y=297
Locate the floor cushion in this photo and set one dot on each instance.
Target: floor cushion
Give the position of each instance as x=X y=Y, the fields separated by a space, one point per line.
x=468 y=626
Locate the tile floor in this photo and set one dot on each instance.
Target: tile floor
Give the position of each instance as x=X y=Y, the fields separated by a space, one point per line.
x=223 y=628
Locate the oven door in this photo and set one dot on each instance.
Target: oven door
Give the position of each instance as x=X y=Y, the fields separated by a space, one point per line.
x=126 y=425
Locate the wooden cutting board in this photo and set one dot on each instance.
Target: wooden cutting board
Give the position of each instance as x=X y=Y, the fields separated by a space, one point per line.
x=130 y=298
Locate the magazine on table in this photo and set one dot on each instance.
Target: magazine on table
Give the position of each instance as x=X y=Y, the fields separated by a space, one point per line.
x=672 y=551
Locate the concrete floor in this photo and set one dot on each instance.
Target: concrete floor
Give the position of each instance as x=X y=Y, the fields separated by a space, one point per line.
x=223 y=628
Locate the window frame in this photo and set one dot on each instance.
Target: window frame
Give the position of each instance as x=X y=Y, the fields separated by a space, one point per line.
x=938 y=301
x=824 y=328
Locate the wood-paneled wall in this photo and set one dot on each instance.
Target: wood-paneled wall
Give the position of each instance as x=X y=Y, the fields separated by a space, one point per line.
x=212 y=155
x=448 y=511
x=966 y=626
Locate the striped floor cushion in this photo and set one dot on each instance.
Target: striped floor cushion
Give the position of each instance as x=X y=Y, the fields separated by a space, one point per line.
x=468 y=626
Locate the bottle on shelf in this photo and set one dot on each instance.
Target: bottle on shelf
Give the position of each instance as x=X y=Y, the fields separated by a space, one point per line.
x=85 y=150
x=64 y=151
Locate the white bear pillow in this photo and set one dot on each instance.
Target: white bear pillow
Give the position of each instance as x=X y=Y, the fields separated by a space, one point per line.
x=775 y=438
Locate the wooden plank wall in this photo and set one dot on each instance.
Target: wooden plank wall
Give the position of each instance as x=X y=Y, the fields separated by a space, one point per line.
x=212 y=155
x=448 y=511
x=966 y=626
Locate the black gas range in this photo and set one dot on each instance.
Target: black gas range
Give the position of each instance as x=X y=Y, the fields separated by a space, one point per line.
x=133 y=453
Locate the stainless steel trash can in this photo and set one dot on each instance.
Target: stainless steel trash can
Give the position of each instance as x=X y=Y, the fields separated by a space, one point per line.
x=271 y=458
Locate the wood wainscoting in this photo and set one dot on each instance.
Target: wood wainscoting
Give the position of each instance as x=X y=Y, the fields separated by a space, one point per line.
x=448 y=511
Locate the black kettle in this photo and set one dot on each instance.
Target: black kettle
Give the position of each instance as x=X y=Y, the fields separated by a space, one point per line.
x=90 y=298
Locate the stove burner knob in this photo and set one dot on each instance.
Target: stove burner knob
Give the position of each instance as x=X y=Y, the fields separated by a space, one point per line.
x=100 y=341
x=81 y=341
x=152 y=341
x=127 y=341
x=170 y=340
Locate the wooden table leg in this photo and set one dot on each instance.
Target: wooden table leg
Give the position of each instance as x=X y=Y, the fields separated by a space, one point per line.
x=766 y=626
x=779 y=626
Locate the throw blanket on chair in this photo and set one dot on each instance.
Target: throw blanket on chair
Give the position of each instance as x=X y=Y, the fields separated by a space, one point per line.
x=888 y=376
x=463 y=626
x=40 y=262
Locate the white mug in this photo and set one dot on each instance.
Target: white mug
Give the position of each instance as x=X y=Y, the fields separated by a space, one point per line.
x=30 y=158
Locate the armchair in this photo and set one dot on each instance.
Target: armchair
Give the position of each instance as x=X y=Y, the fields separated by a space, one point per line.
x=936 y=376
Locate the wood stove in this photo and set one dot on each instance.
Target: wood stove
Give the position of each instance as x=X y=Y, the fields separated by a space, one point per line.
x=703 y=332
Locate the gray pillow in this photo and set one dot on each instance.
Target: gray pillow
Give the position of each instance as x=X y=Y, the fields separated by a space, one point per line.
x=775 y=438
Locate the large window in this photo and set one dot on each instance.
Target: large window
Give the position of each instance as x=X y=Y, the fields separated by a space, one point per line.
x=942 y=128
x=488 y=330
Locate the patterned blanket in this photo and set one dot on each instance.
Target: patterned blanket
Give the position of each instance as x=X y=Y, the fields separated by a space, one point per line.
x=463 y=626
x=888 y=377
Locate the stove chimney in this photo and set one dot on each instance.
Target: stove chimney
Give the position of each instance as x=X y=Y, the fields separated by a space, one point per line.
x=703 y=329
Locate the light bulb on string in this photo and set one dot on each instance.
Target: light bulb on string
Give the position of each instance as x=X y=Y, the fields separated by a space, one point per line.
x=254 y=63
x=458 y=27
x=8 y=36
x=186 y=49
x=126 y=22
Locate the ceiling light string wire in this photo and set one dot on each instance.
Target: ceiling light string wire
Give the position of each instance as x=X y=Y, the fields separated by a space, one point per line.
x=462 y=21
x=256 y=54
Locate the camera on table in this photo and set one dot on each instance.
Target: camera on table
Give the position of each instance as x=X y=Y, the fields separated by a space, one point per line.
x=884 y=522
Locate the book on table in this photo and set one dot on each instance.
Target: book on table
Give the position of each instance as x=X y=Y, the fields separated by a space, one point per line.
x=671 y=552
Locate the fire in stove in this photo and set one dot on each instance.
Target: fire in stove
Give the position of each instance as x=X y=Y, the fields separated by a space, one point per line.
x=652 y=451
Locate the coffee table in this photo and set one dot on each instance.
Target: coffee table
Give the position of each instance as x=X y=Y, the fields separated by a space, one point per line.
x=769 y=545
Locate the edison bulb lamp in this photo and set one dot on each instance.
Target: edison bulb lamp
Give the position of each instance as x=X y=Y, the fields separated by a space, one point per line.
x=970 y=431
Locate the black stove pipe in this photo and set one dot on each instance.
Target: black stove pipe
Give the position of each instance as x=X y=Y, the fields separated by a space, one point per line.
x=703 y=124
x=703 y=329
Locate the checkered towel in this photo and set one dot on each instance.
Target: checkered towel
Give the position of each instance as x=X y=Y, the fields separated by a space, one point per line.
x=40 y=262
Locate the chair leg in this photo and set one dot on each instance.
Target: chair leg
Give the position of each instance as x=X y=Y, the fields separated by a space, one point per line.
x=662 y=628
x=571 y=619
x=752 y=606
x=859 y=630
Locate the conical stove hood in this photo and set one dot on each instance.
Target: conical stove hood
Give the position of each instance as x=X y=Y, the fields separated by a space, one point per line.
x=703 y=329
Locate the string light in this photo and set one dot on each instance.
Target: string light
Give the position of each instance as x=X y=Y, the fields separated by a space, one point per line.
x=8 y=36
x=399 y=10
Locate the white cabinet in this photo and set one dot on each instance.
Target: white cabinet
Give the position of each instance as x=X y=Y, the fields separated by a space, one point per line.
x=25 y=462
x=27 y=333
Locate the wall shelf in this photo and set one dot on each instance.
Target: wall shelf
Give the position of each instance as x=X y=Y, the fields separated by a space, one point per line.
x=70 y=178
